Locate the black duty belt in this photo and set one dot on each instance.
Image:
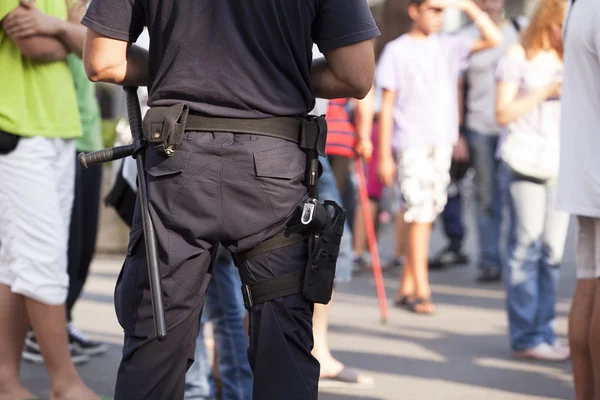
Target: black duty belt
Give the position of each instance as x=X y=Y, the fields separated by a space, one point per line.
x=288 y=128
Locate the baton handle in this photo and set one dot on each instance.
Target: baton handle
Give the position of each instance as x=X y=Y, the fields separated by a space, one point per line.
x=135 y=124
x=105 y=155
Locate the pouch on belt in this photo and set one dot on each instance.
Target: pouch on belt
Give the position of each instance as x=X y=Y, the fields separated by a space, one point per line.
x=164 y=127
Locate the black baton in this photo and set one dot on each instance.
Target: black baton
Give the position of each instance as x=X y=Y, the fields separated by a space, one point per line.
x=106 y=155
x=135 y=124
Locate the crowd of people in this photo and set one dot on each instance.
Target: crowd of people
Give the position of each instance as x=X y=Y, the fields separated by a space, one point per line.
x=487 y=99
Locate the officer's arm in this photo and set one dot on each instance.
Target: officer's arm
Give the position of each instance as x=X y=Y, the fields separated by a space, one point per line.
x=114 y=61
x=345 y=72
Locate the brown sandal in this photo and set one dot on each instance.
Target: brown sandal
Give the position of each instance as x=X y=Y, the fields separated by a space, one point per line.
x=422 y=306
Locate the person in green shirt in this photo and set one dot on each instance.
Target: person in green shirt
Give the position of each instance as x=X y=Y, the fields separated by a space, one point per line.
x=86 y=204
x=39 y=121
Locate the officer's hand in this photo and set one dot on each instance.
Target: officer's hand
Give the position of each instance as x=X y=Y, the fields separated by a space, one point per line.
x=31 y=22
x=364 y=148
x=386 y=170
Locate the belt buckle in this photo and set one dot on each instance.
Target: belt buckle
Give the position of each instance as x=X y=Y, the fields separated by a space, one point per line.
x=247 y=295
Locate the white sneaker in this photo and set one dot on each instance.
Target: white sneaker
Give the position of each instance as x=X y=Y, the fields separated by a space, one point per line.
x=561 y=348
x=543 y=352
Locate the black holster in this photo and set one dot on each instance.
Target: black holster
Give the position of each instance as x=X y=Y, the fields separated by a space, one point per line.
x=8 y=142
x=323 y=253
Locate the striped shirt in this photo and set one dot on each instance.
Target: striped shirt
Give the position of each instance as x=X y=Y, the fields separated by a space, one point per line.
x=341 y=139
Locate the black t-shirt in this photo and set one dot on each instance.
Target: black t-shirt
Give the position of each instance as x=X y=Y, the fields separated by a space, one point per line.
x=234 y=58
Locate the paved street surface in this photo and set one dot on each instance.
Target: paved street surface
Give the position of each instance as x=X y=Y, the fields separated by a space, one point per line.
x=460 y=353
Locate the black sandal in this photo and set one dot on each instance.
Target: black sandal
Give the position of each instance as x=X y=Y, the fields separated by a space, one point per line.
x=404 y=301
x=414 y=306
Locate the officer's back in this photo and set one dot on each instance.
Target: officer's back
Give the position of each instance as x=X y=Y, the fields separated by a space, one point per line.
x=238 y=60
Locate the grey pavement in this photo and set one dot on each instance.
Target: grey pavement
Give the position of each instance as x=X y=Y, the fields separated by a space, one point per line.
x=462 y=352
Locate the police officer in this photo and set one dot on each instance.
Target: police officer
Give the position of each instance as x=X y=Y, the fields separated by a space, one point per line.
x=230 y=85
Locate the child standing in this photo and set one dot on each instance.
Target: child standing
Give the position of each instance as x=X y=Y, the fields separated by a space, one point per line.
x=419 y=120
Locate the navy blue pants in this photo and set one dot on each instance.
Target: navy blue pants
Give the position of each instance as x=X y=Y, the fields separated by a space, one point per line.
x=83 y=229
x=452 y=217
x=218 y=188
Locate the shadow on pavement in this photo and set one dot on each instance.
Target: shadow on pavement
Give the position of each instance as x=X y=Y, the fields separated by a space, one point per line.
x=336 y=396
x=485 y=365
x=449 y=287
x=96 y=373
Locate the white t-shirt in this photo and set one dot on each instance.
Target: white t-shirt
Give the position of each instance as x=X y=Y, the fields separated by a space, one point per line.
x=579 y=177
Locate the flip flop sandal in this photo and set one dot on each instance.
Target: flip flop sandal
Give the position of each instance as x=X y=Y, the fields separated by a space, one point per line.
x=347 y=377
x=414 y=306
x=404 y=301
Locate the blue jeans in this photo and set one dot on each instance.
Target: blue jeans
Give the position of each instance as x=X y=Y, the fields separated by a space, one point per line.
x=199 y=381
x=452 y=217
x=535 y=250
x=224 y=307
x=328 y=191
x=488 y=196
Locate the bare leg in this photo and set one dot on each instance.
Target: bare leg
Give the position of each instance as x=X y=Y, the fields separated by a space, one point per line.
x=360 y=232
x=418 y=252
x=401 y=236
x=594 y=346
x=12 y=338
x=407 y=284
x=330 y=367
x=406 y=287
x=49 y=324
x=580 y=319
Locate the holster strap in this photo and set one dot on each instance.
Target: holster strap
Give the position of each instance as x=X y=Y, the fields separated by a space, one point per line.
x=275 y=242
x=280 y=286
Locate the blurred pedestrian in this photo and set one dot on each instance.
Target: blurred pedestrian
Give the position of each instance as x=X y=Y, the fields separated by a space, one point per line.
x=481 y=131
x=579 y=185
x=86 y=204
x=38 y=122
x=418 y=72
x=529 y=83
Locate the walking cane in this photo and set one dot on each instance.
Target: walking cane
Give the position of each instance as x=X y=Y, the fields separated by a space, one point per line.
x=115 y=153
x=372 y=239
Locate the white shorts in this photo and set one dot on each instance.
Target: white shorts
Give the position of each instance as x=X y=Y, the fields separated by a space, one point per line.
x=587 y=255
x=424 y=176
x=36 y=197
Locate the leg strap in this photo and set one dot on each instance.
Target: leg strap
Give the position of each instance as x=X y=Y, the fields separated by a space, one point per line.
x=275 y=242
x=280 y=286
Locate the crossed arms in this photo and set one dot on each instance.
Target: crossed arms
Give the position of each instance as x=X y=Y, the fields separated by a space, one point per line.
x=42 y=37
